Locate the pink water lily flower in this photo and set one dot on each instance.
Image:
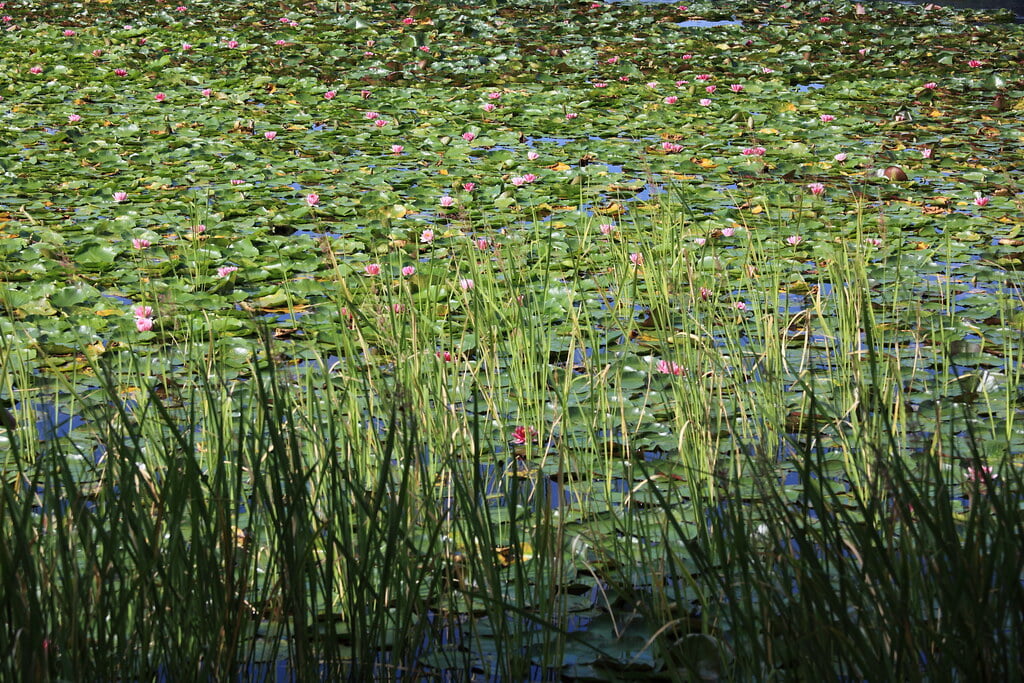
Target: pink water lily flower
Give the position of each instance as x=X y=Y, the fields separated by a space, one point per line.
x=489 y=107
x=671 y=99
x=397 y=149
x=754 y=152
x=816 y=189
x=466 y=284
x=666 y=367
x=408 y=270
x=704 y=102
x=312 y=199
x=736 y=87
x=521 y=434
x=270 y=134
x=36 y=70
x=224 y=271
x=141 y=243
x=120 y=196
x=975 y=63
x=711 y=89
x=372 y=269
x=469 y=136
x=794 y=240
x=636 y=258
x=982 y=474
x=827 y=118
x=981 y=201
x=143 y=324
x=447 y=201
x=74 y=118
x=427 y=236
x=160 y=97
x=330 y=94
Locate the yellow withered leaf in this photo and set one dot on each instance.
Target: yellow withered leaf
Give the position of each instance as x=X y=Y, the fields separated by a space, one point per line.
x=612 y=209
x=509 y=555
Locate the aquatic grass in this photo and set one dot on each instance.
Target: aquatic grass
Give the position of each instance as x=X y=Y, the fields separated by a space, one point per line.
x=901 y=580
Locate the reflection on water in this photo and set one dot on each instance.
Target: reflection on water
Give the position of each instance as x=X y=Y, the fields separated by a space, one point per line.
x=700 y=23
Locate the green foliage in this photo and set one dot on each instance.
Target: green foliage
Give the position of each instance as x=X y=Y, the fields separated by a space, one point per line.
x=444 y=337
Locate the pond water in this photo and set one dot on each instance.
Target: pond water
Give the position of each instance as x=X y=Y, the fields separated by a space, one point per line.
x=1015 y=6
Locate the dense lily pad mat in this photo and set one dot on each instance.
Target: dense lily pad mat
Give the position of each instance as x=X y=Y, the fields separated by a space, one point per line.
x=571 y=238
